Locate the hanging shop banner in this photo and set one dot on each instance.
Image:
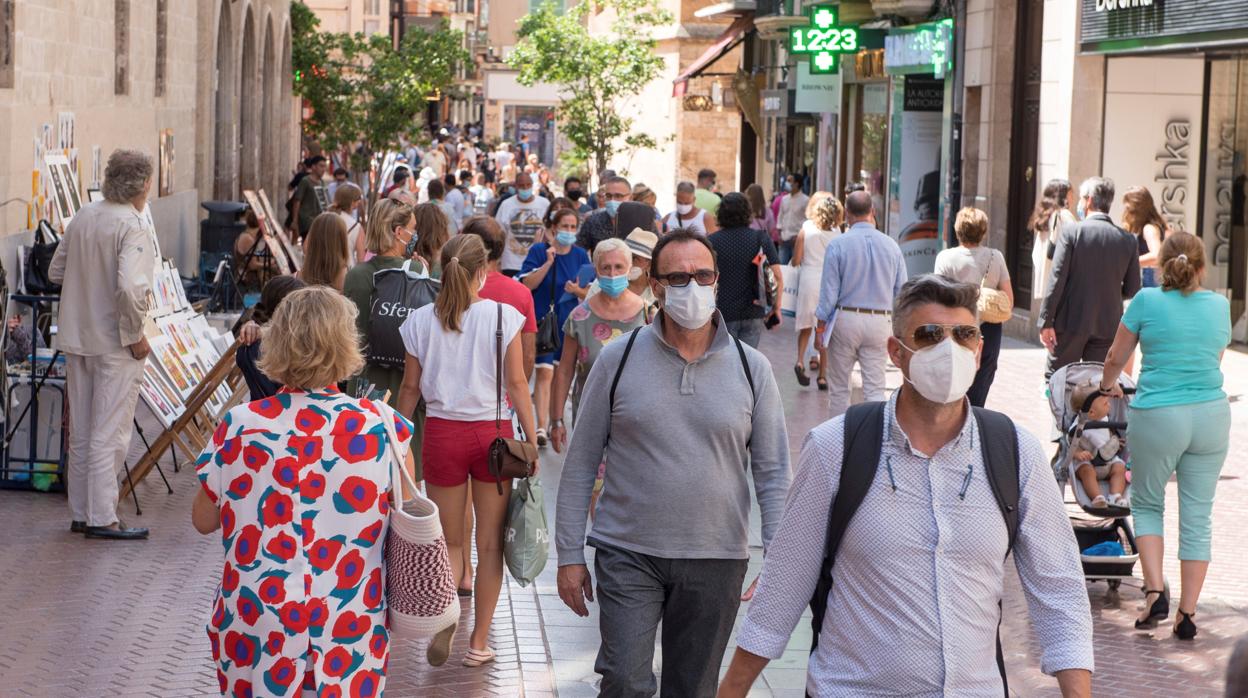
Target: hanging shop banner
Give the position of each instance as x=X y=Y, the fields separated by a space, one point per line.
x=1124 y=26
x=914 y=184
x=920 y=49
x=817 y=93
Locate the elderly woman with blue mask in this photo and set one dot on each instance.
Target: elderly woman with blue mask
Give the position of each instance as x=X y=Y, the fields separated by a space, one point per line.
x=550 y=271
x=602 y=318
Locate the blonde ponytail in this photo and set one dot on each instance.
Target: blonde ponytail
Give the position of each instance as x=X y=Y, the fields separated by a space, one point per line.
x=463 y=258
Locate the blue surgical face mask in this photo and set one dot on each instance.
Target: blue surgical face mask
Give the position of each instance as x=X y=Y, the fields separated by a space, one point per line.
x=565 y=239
x=613 y=286
x=1080 y=210
x=788 y=187
x=613 y=208
x=411 y=248
x=525 y=194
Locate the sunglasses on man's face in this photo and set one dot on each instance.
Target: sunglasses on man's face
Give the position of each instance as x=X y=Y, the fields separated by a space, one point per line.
x=704 y=277
x=931 y=335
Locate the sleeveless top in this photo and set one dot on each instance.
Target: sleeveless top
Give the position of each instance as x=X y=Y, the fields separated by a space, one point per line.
x=696 y=224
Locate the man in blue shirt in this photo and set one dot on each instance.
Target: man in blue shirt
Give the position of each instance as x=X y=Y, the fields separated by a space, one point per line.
x=863 y=271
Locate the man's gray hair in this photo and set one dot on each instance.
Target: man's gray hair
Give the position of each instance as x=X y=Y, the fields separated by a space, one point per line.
x=932 y=288
x=616 y=179
x=126 y=175
x=685 y=188
x=1101 y=190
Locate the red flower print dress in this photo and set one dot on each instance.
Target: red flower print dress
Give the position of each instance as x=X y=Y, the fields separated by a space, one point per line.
x=302 y=480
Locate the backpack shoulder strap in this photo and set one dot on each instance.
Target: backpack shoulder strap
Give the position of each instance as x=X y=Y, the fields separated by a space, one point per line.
x=860 y=457
x=998 y=441
x=619 y=370
x=745 y=363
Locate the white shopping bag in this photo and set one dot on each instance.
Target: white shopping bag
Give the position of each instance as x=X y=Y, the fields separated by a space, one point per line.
x=792 y=278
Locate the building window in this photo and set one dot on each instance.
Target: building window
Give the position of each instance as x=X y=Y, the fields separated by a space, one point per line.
x=121 y=47
x=6 y=42
x=372 y=26
x=372 y=7
x=162 y=45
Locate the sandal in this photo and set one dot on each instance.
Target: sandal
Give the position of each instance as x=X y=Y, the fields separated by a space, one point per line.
x=1184 y=627
x=476 y=657
x=1100 y=502
x=1159 y=609
x=802 y=379
x=440 y=647
x=822 y=383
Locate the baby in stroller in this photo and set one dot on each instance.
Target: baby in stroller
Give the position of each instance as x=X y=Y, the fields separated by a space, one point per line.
x=1096 y=450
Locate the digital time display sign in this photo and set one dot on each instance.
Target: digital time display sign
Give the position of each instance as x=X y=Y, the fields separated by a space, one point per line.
x=824 y=40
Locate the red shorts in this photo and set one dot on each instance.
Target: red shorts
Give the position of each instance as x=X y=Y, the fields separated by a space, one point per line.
x=452 y=451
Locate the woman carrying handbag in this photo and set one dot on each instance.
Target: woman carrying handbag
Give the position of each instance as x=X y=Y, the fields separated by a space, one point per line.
x=451 y=363
x=300 y=486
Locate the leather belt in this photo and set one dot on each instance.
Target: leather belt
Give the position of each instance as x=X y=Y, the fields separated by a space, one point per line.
x=864 y=311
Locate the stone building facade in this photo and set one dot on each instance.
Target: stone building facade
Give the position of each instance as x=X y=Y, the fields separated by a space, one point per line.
x=212 y=75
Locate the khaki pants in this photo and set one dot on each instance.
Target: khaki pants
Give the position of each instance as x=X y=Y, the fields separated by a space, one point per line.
x=862 y=339
x=102 y=391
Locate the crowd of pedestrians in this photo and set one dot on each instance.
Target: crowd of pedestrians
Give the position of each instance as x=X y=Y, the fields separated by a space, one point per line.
x=648 y=324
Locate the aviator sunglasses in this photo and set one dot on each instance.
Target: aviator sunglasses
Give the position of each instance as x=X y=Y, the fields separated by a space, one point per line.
x=930 y=335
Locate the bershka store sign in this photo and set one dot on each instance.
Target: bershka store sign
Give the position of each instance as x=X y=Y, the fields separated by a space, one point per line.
x=1138 y=26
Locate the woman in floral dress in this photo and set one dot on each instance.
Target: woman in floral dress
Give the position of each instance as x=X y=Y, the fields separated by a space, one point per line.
x=299 y=485
x=604 y=317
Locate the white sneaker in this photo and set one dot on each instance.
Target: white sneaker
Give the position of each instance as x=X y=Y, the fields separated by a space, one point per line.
x=1100 y=502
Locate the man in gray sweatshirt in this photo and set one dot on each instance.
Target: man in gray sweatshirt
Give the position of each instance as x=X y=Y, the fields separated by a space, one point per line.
x=683 y=415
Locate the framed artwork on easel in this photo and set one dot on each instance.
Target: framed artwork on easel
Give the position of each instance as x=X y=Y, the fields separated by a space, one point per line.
x=292 y=250
x=271 y=240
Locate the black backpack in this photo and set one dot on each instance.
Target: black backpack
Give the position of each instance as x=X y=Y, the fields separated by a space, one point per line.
x=864 y=438
x=396 y=294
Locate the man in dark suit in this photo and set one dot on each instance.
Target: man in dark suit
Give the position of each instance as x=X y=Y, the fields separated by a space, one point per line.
x=1096 y=266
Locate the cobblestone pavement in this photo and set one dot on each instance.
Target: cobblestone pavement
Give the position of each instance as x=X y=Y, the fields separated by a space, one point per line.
x=94 y=618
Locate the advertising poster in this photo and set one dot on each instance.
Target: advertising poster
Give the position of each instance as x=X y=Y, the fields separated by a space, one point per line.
x=914 y=202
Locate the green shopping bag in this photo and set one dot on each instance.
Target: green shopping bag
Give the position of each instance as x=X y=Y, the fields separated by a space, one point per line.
x=525 y=539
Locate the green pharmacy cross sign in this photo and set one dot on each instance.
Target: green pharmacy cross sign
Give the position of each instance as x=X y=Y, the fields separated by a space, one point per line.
x=823 y=40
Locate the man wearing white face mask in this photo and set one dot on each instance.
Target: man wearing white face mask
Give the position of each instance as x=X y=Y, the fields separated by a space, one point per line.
x=931 y=495
x=687 y=214
x=695 y=411
x=521 y=216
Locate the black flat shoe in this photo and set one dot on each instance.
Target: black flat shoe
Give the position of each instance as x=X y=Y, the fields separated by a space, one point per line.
x=822 y=383
x=1185 y=629
x=77 y=526
x=119 y=533
x=802 y=379
x=1160 y=610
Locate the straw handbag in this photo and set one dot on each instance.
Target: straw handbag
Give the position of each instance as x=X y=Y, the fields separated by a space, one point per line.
x=420 y=590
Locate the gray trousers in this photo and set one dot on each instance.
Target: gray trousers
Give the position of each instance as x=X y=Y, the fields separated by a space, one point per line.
x=748 y=331
x=697 y=602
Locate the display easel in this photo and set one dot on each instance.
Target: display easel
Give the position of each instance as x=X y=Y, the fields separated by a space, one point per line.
x=192 y=429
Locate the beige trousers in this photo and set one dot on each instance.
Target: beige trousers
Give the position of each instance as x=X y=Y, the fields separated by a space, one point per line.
x=102 y=391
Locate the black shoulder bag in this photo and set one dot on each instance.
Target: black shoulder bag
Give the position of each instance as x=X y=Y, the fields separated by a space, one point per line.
x=39 y=261
x=547 y=339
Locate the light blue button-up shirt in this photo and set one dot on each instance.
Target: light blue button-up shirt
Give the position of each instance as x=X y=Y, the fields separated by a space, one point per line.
x=861 y=269
x=913 y=609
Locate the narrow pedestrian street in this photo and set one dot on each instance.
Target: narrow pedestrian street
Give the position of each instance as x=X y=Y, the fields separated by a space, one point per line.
x=130 y=623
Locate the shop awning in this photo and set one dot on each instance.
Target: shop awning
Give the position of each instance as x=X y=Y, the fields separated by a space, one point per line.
x=727 y=41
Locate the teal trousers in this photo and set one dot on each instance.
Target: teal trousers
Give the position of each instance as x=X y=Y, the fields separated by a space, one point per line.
x=1189 y=442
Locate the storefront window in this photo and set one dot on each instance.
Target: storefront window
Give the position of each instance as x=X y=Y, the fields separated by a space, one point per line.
x=1225 y=175
x=870 y=143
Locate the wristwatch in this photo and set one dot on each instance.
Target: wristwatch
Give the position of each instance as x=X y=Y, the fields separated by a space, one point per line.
x=556 y=423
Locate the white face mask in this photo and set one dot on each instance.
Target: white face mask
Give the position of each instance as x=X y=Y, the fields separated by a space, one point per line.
x=689 y=306
x=942 y=373
x=634 y=273
x=684 y=209
x=481 y=286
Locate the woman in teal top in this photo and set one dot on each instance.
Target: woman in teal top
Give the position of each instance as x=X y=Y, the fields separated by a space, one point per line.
x=1179 y=422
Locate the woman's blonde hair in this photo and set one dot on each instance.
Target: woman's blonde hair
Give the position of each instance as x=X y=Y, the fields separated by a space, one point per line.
x=433 y=229
x=311 y=341
x=971 y=225
x=610 y=245
x=378 y=239
x=813 y=204
x=829 y=214
x=463 y=258
x=1182 y=259
x=325 y=251
x=345 y=197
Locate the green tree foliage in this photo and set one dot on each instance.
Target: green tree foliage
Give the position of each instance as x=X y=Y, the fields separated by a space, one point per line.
x=361 y=89
x=594 y=71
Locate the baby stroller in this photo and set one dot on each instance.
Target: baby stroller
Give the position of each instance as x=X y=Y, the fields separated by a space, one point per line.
x=1093 y=527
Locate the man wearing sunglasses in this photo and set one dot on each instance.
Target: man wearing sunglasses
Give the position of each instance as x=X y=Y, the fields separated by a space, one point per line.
x=863 y=271
x=686 y=416
x=919 y=572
